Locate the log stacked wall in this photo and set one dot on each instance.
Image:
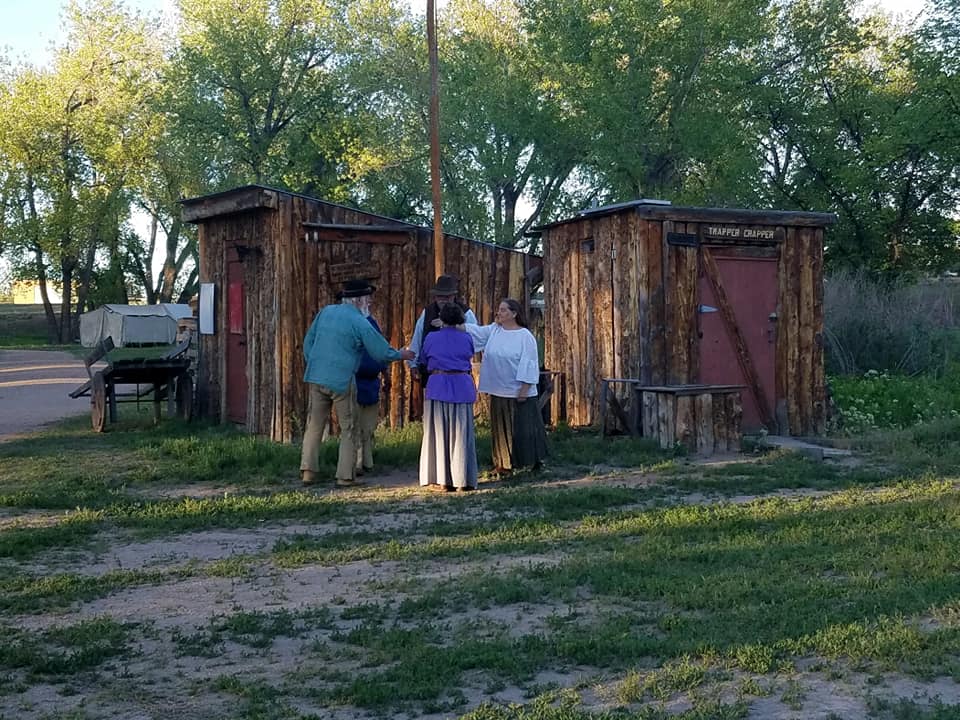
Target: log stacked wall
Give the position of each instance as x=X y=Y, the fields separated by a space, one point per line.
x=681 y=362
x=606 y=243
x=800 y=381
x=606 y=309
x=560 y=324
x=656 y=310
x=647 y=299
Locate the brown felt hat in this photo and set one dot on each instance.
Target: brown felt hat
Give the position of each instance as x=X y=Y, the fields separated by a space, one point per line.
x=446 y=285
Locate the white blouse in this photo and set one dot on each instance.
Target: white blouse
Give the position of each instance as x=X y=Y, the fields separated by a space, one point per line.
x=509 y=359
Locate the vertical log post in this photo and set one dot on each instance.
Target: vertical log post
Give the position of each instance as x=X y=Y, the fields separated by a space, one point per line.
x=438 y=245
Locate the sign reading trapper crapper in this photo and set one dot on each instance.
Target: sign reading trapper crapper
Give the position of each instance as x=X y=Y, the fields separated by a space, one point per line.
x=738 y=232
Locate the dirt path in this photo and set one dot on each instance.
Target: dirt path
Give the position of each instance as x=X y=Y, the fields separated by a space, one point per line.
x=35 y=387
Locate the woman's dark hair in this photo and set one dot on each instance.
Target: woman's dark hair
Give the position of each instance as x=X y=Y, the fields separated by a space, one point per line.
x=451 y=314
x=517 y=309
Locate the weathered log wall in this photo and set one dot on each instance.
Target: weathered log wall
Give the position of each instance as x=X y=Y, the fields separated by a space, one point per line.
x=289 y=277
x=621 y=301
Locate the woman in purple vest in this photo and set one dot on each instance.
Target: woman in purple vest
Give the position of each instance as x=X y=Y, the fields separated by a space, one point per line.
x=448 y=456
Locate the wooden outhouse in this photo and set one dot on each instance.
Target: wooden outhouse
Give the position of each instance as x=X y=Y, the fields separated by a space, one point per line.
x=683 y=296
x=270 y=259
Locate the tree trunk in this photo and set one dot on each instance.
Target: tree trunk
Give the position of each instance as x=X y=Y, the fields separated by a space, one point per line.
x=64 y=336
x=189 y=288
x=86 y=274
x=510 y=198
x=150 y=289
x=52 y=332
x=497 y=214
x=171 y=267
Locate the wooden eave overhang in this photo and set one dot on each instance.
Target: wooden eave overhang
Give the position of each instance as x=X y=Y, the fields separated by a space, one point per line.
x=250 y=198
x=229 y=202
x=663 y=211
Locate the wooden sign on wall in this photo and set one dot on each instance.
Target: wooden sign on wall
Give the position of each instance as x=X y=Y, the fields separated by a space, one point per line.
x=741 y=233
x=347 y=271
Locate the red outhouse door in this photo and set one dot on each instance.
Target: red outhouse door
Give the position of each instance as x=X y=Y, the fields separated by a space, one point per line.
x=738 y=324
x=236 y=389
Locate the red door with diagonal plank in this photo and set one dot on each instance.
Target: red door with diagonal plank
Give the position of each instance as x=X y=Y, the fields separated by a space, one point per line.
x=236 y=390
x=738 y=306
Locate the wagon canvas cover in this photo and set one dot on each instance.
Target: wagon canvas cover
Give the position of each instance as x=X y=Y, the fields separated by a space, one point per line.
x=132 y=324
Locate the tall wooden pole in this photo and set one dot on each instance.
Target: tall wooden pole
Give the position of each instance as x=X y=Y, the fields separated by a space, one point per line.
x=438 y=249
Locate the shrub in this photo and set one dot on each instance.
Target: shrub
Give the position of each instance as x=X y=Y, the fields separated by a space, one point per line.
x=898 y=329
x=879 y=400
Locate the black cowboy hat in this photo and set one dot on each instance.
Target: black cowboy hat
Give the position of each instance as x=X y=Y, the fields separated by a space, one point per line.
x=357 y=287
x=446 y=285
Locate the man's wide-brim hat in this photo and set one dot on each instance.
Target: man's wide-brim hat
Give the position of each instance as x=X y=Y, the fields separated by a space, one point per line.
x=356 y=288
x=446 y=285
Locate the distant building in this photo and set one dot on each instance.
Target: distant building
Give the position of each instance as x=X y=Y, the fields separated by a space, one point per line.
x=27 y=292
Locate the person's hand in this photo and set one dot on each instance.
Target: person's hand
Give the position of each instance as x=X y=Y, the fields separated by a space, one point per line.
x=407 y=354
x=436 y=322
x=415 y=372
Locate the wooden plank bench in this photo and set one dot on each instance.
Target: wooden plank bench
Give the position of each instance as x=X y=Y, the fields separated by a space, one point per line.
x=705 y=419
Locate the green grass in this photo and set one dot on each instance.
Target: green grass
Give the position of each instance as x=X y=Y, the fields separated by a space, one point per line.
x=883 y=401
x=27 y=342
x=662 y=575
x=904 y=709
x=64 y=650
x=255 y=629
x=759 y=584
x=550 y=709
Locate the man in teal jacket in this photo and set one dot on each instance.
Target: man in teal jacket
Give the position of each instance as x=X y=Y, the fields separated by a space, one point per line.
x=333 y=348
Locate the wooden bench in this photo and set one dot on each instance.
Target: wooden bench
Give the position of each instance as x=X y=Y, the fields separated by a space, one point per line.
x=705 y=419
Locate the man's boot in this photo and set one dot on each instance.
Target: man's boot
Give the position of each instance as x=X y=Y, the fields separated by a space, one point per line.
x=308 y=477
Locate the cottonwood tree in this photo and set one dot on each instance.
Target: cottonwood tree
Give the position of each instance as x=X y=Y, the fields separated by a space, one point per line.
x=658 y=89
x=856 y=122
x=72 y=136
x=256 y=87
x=503 y=118
x=503 y=133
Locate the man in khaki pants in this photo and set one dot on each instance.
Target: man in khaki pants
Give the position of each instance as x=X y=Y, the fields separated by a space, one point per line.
x=333 y=348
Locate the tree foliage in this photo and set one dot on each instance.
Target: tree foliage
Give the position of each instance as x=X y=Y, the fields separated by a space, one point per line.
x=74 y=135
x=546 y=105
x=856 y=123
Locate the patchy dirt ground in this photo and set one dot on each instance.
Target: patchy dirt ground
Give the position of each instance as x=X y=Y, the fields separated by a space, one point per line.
x=187 y=656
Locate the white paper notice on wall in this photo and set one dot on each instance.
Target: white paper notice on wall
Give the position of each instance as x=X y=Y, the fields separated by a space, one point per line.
x=206 y=308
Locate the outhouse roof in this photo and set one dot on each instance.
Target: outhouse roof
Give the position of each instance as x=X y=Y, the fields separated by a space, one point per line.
x=664 y=210
x=253 y=197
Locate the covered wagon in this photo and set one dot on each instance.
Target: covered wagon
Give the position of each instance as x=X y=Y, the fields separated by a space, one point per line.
x=132 y=324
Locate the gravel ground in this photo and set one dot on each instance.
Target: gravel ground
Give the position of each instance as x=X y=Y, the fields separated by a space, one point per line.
x=35 y=387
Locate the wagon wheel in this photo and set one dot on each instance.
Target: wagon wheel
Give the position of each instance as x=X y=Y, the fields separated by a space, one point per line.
x=185 y=396
x=98 y=402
